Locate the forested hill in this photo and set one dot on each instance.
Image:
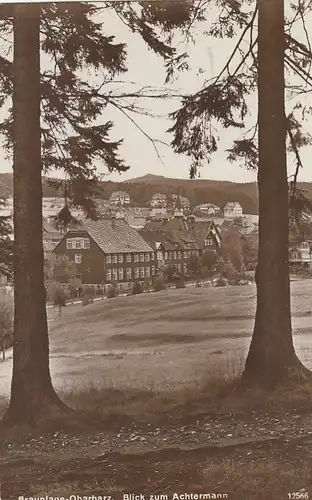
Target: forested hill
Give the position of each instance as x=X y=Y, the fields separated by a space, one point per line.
x=197 y=191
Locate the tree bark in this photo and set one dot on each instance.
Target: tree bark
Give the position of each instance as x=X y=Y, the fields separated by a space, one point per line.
x=32 y=393
x=272 y=359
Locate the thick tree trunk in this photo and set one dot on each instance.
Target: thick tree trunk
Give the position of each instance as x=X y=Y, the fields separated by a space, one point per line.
x=272 y=359
x=32 y=393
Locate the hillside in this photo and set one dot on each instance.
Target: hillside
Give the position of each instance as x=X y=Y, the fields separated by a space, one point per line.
x=141 y=190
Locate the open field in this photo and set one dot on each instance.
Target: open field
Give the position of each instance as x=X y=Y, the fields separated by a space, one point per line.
x=160 y=339
x=148 y=367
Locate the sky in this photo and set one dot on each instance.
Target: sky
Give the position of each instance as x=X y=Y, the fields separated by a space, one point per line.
x=146 y=69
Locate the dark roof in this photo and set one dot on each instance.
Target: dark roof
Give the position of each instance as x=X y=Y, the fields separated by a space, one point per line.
x=169 y=239
x=119 y=239
x=186 y=234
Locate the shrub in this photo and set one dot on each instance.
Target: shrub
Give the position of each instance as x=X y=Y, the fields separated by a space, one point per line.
x=111 y=292
x=137 y=288
x=221 y=282
x=159 y=284
x=59 y=298
x=87 y=295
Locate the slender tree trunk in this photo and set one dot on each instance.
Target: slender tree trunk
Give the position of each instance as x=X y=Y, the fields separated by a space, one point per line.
x=32 y=393
x=272 y=359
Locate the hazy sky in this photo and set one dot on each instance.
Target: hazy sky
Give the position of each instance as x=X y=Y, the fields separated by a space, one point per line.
x=146 y=69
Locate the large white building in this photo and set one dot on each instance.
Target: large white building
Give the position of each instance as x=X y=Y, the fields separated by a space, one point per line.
x=119 y=198
x=207 y=209
x=232 y=210
x=159 y=200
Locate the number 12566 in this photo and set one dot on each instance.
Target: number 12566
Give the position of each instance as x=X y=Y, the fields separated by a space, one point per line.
x=298 y=495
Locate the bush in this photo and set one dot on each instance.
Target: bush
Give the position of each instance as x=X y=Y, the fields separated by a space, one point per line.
x=137 y=288
x=111 y=292
x=88 y=295
x=159 y=284
x=59 y=297
x=221 y=282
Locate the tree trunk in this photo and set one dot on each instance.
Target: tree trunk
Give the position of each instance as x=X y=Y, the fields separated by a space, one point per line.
x=32 y=393
x=272 y=359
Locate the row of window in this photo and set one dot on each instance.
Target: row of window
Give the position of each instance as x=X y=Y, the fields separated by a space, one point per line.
x=177 y=255
x=120 y=258
x=129 y=273
x=77 y=243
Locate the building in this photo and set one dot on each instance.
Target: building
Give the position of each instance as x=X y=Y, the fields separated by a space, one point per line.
x=207 y=209
x=171 y=248
x=232 y=210
x=158 y=213
x=137 y=217
x=175 y=240
x=50 y=237
x=300 y=250
x=300 y=254
x=108 y=251
x=181 y=202
x=119 y=198
x=159 y=200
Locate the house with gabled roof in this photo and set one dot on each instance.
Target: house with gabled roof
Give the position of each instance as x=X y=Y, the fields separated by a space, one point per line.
x=119 y=198
x=232 y=210
x=176 y=239
x=107 y=251
x=159 y=200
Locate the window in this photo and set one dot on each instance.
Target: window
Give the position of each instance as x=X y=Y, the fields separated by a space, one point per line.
x=185 y=255
x=159 y=255
x=208 y=242
x=141 y=257
x=77 y=258
x=136 y=273
x=153 y=270
x=147 y=257
x=166 y=255
x=179 y=268
x=128 y=258
x=69 y=244
x=174 y=255
x=86 y=243
x=120 y=274
x=152 y=256
x=136 y=257
x=147 y=272
x=129 y=273
x=108 y=259
x=115 y=274
x=114 y=259
x=120 y=258
x=179 y=255
x=141 y=272
x=108 y=274
x=170 y=255
x=78 y=244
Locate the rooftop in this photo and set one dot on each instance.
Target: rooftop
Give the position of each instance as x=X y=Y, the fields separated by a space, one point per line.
x=119 y=239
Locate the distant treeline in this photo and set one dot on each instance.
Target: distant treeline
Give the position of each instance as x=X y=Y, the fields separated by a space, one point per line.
x=197 y=191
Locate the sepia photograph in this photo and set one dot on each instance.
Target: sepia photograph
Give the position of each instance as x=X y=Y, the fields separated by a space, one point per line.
x=156 y=250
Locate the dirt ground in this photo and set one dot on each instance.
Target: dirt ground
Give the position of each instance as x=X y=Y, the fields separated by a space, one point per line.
x=140 y=355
